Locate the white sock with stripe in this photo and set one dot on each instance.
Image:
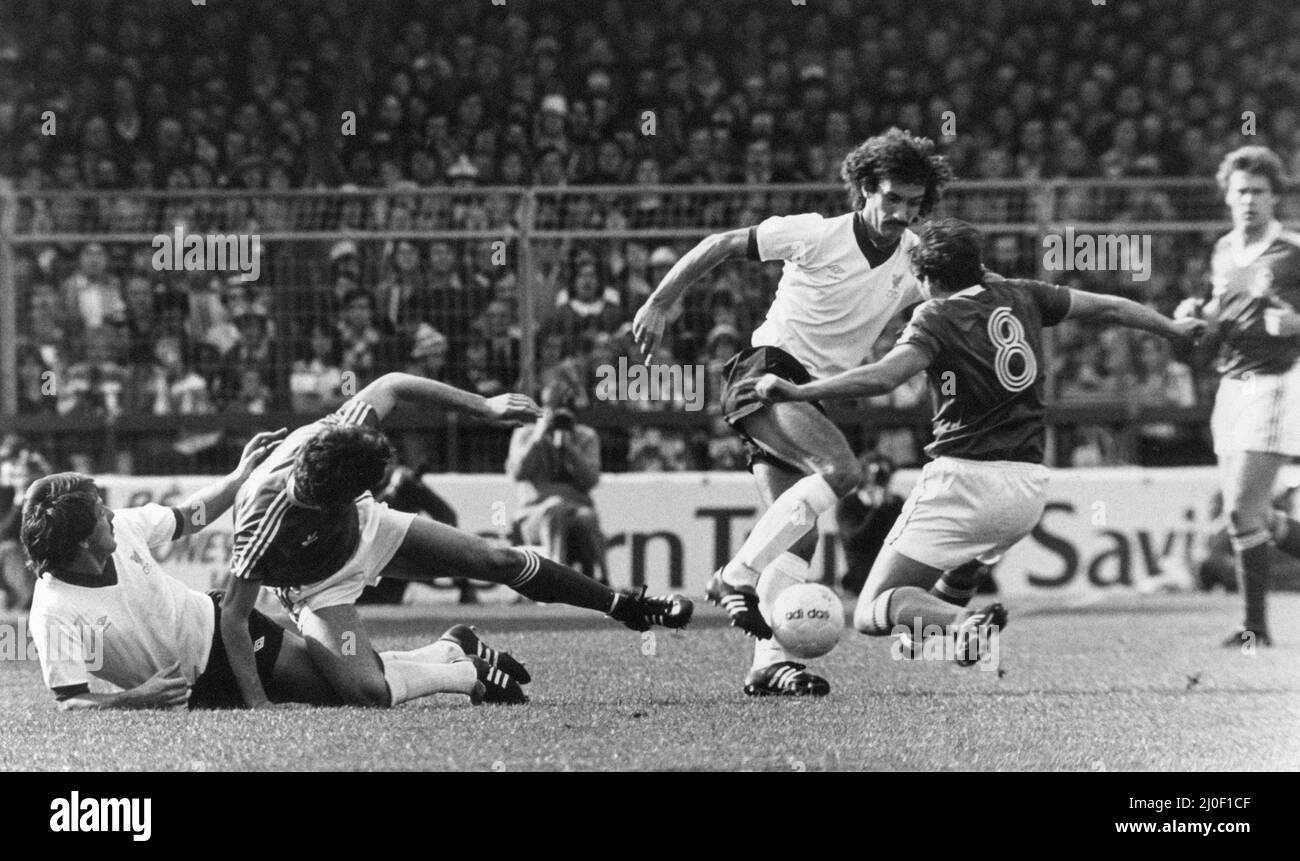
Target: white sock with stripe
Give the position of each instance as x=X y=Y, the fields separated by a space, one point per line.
x=872 y=616
x=785 y=571
x=409 y=680
x=790 y=516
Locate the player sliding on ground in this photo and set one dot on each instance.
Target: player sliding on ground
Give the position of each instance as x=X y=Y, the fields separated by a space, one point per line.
x=307 y=525
x=104 y=609
x=845 y=278
x=980 y=343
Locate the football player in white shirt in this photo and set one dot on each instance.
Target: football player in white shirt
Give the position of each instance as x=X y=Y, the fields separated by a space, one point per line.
x=845 y=279
x=103 y=608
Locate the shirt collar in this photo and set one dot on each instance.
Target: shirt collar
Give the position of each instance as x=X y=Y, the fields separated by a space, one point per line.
x=874 y=254
x=1246 y=254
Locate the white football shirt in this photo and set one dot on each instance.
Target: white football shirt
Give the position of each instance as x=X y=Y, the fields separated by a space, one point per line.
x=125 y=633
x=831 y=303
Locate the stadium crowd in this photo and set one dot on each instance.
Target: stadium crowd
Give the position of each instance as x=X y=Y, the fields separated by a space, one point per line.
x=557 y=95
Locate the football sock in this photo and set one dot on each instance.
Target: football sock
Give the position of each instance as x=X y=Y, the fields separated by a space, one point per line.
x=790 y=516
x=409 y=680
x=958 y=585
x=1252 y=572
x=437 y=652
x=542 y=580
x=1286 y=535
x=785 y=571
x=906 y=605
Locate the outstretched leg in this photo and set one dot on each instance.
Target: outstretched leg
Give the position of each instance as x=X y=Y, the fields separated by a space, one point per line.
x=896 y=593
x=431 y=550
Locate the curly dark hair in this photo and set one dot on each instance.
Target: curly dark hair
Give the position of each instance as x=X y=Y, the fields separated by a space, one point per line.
x=949 y=254
x=1259 y=160
x=60 y=511
x=898 y=156
x=340 y=463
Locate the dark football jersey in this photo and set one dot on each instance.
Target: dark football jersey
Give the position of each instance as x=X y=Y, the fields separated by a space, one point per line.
x=1244 y=284
x=985 y=346
x=280 y=541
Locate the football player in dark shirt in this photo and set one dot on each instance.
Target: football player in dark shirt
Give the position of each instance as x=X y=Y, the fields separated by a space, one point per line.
x=307 y=525
x=1255 y=273
x=980 y=342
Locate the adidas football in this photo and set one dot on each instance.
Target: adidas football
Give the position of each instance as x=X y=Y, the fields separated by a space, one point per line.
x=807 y=620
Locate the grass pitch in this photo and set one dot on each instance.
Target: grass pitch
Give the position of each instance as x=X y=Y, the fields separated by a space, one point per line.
x=1130 y=683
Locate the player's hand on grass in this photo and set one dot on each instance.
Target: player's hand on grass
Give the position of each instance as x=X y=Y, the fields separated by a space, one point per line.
x=167 y=688
x=648 y=327
x=512 y=409
x=772 y=388
x=1281 y=319
x=257 y=450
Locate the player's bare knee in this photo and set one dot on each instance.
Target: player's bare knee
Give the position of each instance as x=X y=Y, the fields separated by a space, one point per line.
x=844 y=475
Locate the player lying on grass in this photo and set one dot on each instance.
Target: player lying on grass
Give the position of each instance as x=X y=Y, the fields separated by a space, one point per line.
x=845 y=278
x=307 y=525
x=980 y=343
x=104 y=608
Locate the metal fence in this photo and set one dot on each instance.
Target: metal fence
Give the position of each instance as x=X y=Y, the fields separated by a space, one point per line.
x=131 y=325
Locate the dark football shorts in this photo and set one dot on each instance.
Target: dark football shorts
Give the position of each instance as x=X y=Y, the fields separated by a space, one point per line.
x=739 y=399
x=217 y=688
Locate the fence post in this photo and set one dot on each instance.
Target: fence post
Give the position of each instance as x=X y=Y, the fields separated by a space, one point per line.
x=8 y=303
x=527 y=292
x=1044 y=216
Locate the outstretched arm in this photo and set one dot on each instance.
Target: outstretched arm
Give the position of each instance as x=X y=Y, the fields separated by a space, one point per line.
x=1115 y=310
x=897 y=367
x=652 y=318
x=385 y=393
x=208 y=503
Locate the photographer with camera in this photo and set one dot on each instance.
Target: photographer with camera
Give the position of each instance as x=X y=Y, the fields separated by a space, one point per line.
x=556 y=463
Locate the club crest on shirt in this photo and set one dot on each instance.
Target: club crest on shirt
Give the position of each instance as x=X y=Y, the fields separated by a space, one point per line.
x=310 y=540
x=835 y=269
x=895 y=285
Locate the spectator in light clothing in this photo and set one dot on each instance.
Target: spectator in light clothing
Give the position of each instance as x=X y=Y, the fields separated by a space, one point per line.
x=93 y=291
x=556 y=463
